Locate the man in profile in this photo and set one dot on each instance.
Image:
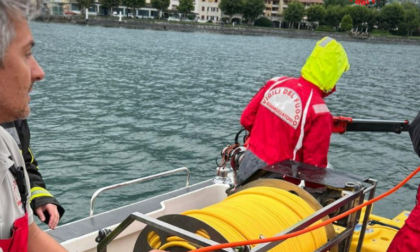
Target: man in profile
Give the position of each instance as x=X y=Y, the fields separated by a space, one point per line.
x=18 y=72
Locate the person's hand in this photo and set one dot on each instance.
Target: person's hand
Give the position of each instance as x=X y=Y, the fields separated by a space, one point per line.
x=51 y=209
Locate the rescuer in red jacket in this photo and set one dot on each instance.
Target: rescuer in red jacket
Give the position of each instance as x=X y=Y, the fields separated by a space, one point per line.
x=288 y=118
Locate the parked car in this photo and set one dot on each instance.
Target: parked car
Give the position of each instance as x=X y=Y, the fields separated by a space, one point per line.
x=201 y=21
x=69 y=13
x=129 y=15
x=146 y=17
x=174 y=19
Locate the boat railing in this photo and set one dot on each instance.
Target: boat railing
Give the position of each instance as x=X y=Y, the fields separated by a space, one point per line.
x=134 y=181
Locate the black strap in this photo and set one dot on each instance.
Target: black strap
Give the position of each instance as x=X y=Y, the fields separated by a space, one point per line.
x=373 y=222
x=19 y=175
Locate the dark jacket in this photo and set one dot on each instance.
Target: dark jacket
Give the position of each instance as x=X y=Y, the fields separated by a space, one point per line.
x=414 y=131
x=406 y=240
x=39 y=194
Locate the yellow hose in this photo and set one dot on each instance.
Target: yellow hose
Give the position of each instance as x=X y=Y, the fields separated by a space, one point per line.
x=251 y=213
x=178 y=244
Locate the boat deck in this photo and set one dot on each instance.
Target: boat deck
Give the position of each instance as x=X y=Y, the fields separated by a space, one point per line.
x=88 y=225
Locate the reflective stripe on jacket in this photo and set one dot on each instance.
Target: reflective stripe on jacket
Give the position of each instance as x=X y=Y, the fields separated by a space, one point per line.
x=40 y=196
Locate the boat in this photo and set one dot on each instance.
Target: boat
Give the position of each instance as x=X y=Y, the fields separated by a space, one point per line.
x=211 y=215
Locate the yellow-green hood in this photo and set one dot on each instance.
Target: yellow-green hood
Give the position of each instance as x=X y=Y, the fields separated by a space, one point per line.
x=327 y=62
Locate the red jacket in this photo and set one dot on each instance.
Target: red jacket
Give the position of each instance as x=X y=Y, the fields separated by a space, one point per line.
x=289 y=120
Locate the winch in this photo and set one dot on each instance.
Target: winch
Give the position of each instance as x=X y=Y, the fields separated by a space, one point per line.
x=269 y=207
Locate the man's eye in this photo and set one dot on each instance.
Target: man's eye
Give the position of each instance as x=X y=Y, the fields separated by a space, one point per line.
x=29 y=54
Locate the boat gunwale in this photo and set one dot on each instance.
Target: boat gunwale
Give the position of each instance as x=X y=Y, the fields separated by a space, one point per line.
x=85 y=226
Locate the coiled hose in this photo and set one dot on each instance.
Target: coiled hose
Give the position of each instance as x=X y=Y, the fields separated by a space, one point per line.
x=250 y=214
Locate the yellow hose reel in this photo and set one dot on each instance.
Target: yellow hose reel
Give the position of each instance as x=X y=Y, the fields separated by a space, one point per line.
x=262 y=208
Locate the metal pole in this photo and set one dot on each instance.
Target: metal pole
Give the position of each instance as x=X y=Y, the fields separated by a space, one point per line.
x=377 y=121
x=367 y=213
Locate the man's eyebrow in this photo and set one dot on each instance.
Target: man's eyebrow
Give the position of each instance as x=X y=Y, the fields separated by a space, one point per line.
x=30 y=44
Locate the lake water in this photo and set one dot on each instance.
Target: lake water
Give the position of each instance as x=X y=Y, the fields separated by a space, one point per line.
x=119 y=104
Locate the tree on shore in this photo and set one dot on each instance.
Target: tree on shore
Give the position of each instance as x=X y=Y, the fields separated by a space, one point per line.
x=133 y=5
x=347 y=23
x=84 y=4
x=160 y=5
x=264 y=22
x=359 y=14
x=334 y=15
x=372 y=18
x=337 y=2
x=109 y=4
x=185 y=6
x=380 y=3
x=316 y=13
x=231 y=7
x=392 y=15
x=411 y=18
x=252 y=9
x=294 y=12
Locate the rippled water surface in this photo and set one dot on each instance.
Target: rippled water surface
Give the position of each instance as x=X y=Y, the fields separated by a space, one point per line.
x=119 y=104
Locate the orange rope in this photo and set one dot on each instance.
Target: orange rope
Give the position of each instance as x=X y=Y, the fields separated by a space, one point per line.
x=308 y=229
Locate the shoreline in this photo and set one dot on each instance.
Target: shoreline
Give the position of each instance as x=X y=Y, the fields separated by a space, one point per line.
x=225 y=29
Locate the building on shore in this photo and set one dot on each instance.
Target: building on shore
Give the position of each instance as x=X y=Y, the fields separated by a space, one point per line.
x=63 y=7
x=206 y=10
x=274 y=8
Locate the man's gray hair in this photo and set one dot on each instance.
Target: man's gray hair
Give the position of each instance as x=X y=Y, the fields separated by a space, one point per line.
x=11 y=10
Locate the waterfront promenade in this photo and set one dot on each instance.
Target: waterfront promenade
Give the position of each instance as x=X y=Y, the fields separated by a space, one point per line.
x=226 y=29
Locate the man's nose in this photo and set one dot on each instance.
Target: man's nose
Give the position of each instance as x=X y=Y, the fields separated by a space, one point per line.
x=36 y=72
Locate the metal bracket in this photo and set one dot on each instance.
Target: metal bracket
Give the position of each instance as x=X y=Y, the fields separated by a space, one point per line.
x=166 y=227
